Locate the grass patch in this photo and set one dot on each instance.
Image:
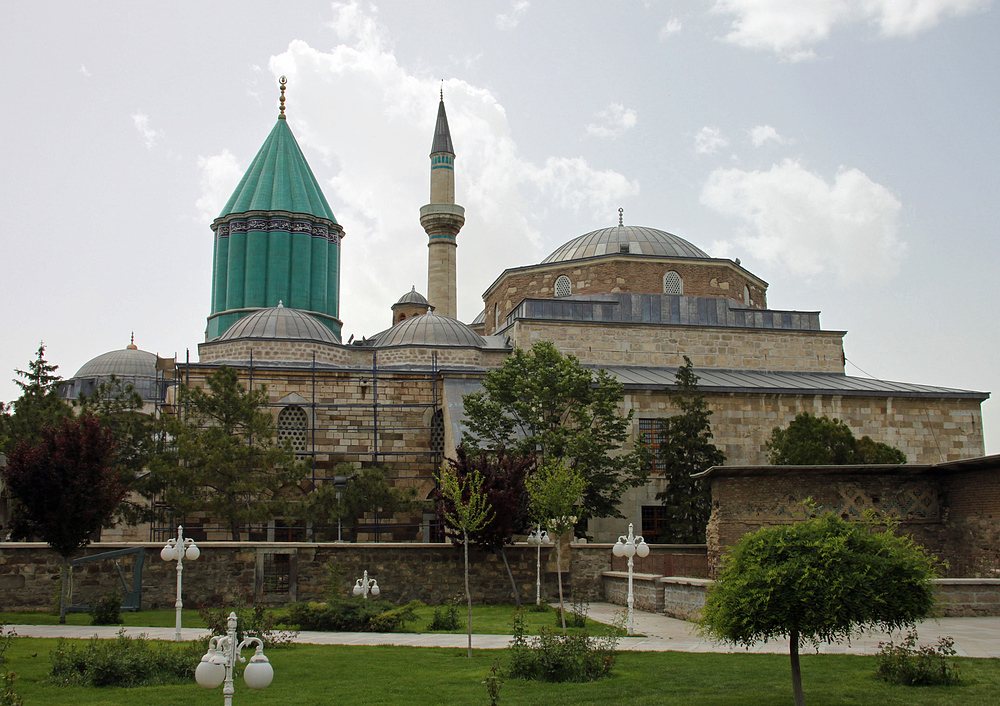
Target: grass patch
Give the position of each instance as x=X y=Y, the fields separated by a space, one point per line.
x=306 y=675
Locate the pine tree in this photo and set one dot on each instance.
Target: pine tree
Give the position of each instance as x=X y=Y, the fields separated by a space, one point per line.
x=39 y=405
x=687 y=449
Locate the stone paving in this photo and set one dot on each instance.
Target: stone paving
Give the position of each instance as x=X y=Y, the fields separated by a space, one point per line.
x=974 y=637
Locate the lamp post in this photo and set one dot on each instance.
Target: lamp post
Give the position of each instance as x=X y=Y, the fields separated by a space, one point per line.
x=178 y=550
x=365 y=585
x=630 y=546
x=538 y=538
x=217 y=664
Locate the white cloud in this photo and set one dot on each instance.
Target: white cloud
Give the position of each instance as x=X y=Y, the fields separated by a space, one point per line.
x=85 y=71
x=613 y=121
x=709 y=140
x=510 y=20
x=794 y=219
x=671 y=28
x=220 y=174
x=149 y=135
x=764 y=133
x=372 y=163
x=790 y=28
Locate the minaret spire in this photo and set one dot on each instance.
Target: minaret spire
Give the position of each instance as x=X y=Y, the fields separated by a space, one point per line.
x=442 y=219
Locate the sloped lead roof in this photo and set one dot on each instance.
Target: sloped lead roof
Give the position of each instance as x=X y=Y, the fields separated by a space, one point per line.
x=279 y=323
x=442 y=135
x=639 y=240
x=279 y=180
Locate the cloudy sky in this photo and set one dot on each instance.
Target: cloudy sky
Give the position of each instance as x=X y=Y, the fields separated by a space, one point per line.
x=844 y=150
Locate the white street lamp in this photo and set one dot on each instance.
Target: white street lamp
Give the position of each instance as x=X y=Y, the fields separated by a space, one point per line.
x=178 y=550
x=217 y=664
x=365 y=585
x=630 y=546
x=538 y=538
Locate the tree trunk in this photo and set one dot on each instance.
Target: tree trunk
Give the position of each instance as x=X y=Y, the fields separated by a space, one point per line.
x=63 y=590
x=562 y=603
x=793 y=652
x=468 y=594
x=510 y=575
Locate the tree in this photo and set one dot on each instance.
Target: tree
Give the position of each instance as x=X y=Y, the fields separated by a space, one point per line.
x=224 y=460
x=555 y=493
x=38 y=406
x=687 y=449
x=504 y=487
x=66 y=488
x=819 y=580
x=821 y=441
x=548 y=405
x=367 y=490
x=470 y=512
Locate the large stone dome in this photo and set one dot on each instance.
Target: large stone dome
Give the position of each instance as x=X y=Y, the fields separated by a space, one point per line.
x=634 y=240
x=129 y=365
x=430 y=330
x=279 y=323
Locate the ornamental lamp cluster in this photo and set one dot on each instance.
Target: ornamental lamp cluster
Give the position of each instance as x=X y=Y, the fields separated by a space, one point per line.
x=216 y=666
x=365 y=585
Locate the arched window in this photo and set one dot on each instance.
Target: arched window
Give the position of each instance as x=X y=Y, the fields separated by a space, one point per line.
x=496 y=318
x=672 y=283
x=746 y=295
x=563 y=286
x=293 y=424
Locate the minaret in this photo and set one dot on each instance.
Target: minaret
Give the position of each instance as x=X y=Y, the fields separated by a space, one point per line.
x=442 y=220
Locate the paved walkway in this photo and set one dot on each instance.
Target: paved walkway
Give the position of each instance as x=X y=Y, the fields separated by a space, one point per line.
x=974 y=637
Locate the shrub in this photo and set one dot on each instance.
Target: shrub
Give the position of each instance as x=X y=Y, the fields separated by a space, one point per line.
x=542 y=607
x=125 y=661
x=493 y=682
x=577 y=618
x=349 y=615
x=255 y=622
x=107 y=611
x=560 y=658
x=445 y=617
x=7 y=695
x=909 y=665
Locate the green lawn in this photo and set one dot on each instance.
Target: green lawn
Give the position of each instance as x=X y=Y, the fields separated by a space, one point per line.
x=486 y=620
x=306 y=675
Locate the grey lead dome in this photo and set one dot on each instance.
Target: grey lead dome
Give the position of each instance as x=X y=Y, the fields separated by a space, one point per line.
x=279 y=323
x=430 y=330
x=639 y=239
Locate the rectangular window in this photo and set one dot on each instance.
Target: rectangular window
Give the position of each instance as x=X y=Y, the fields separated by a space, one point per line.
x=654 y=433
x=277 y=573
x=654 y=521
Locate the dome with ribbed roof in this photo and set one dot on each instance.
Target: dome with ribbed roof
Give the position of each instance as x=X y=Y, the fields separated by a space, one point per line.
x=413 y=297
x=125 y=364
x=633 y=240
x=279 y=323
x=279 y=179
x=430 y=330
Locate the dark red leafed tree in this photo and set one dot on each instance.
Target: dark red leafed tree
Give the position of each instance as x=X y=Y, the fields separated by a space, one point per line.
x=503 y=476
x=66 y=487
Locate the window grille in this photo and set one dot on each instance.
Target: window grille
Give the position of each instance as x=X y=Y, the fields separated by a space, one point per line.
x=277 y=573
x=672 y=283
x=437 y=432
x=293 y=424
x=563 y=286
x=654 y=524
x=654 y=433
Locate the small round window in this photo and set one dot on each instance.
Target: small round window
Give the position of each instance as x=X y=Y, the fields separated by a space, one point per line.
x=672 y=283
x=563 y=287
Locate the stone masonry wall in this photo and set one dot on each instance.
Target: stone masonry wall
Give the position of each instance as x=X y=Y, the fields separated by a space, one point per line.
x=432 y=573
x=666 y=346
x=621 y=274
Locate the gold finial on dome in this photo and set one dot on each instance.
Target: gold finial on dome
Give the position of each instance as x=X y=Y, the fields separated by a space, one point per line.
x=282 y=81
x=621 y=213
x=131 y=346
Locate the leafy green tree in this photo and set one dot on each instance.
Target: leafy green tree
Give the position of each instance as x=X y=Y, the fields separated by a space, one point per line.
x=367 y=490
x=38 y=406
x=504 y=477
x=555 y=492
x=687 y=449
x=821 y=441
x=818 y=580
x=224 y=460
x=548 y=405
x=66 y=488
x=470 y=511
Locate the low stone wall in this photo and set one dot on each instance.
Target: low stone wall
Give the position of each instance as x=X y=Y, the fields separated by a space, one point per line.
x=647 y=593
x=968 y=598
x=667 y=560
x=279 y=573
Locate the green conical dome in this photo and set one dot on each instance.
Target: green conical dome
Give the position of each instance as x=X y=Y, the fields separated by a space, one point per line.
x=279 y=180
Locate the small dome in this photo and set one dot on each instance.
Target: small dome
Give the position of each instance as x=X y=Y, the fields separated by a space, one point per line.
x=124 y=364
x=279 y=323
x=413 y=297
x=430 y=330
x=633 y=240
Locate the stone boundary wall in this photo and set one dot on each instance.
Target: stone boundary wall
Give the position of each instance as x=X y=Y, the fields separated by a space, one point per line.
x=968 y=598
x=647 y=592
x=226 y=571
